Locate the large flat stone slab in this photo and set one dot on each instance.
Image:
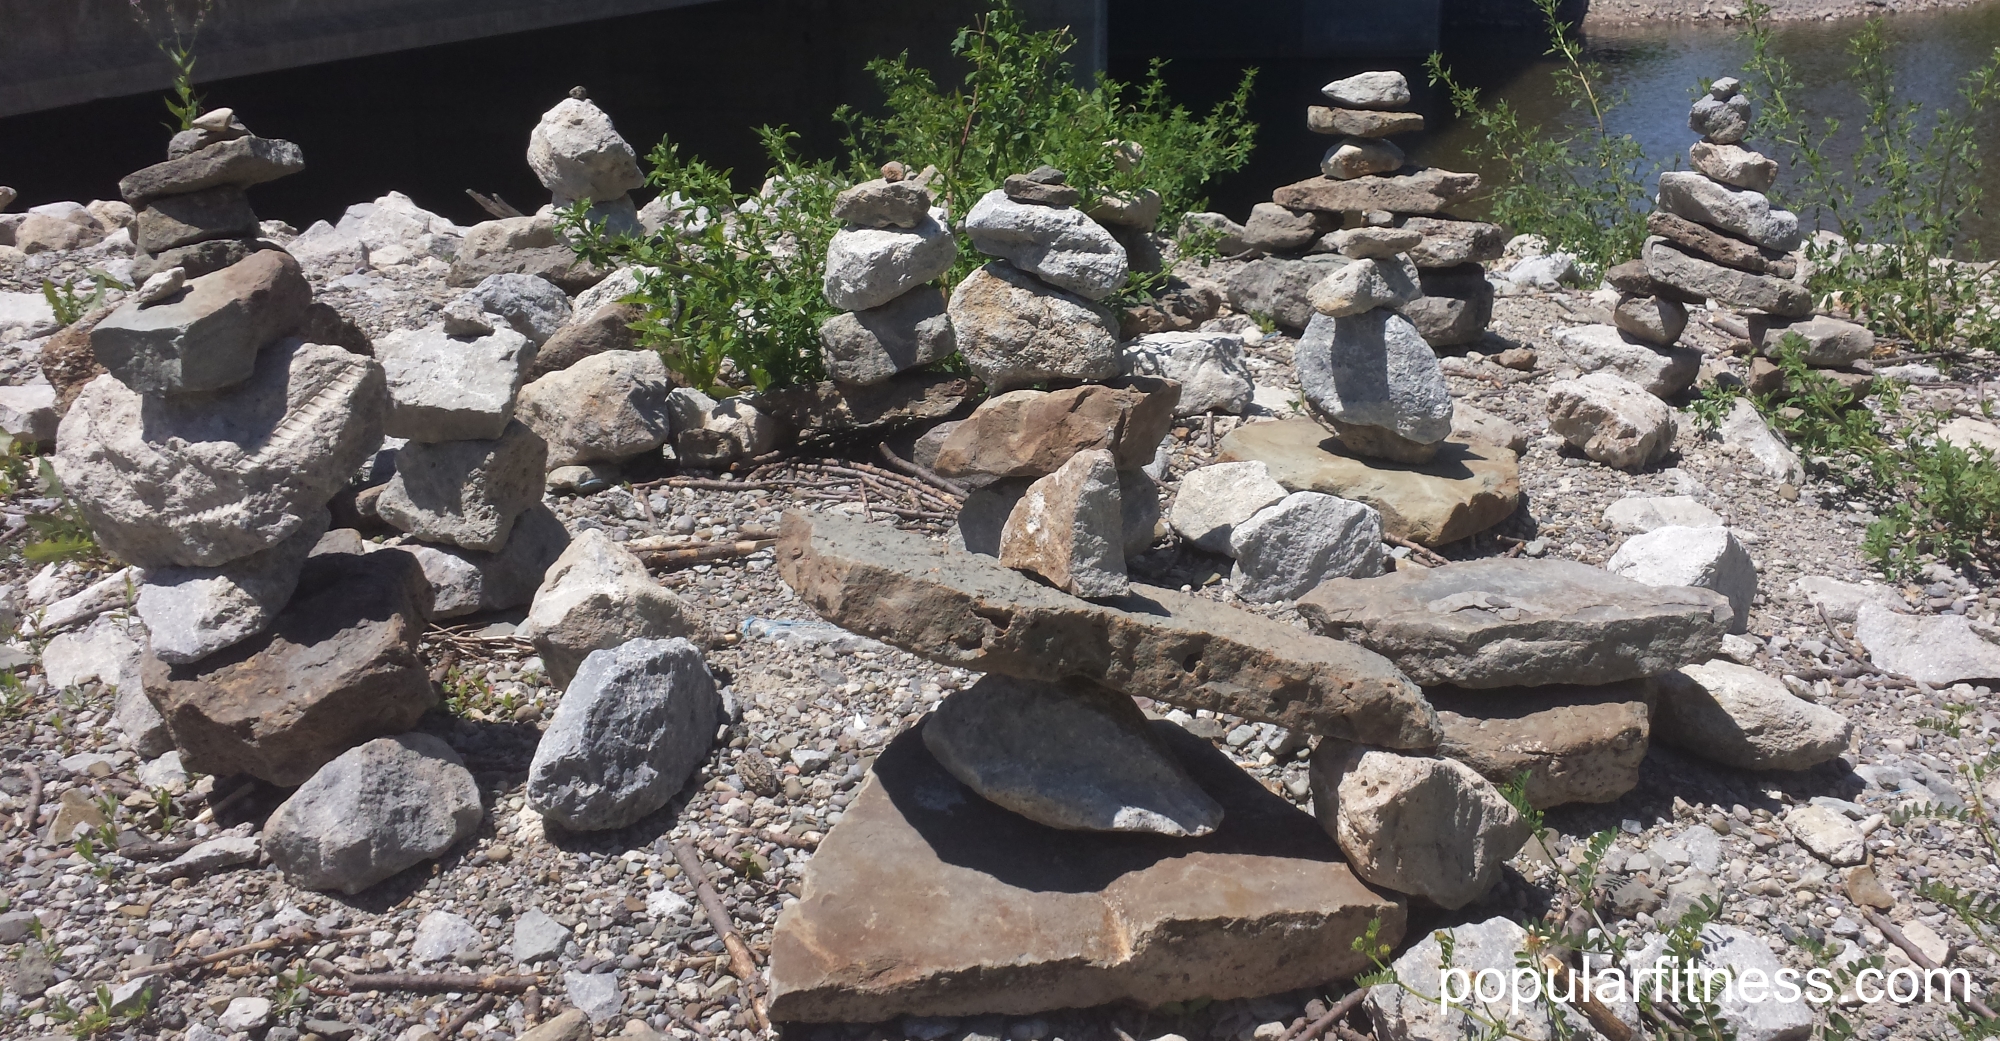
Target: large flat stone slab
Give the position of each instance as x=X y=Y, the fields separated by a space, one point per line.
x=928 y=900
x=1507 y=622
x=966 y=610
x=1412 y=191
x=1464 y=489
x=1576 y=744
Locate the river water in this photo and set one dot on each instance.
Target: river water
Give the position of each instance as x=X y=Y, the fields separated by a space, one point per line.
x=1655 y=70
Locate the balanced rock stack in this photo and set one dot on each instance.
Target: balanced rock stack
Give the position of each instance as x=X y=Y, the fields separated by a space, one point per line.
x=191 y=212
x=206 y=456
x=880 y=267
x=1716 y=235
x=1395 y=209
x=468 y=469
x=1042 y=796
x=579 y=156
x=1060 y=488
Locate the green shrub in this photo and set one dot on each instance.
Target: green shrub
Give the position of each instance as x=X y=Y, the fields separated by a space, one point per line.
x=1583 y=188
x=1903 y=201
x=736 y=300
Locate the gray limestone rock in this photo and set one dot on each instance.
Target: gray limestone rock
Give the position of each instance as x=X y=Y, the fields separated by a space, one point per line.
x=190 y=613
x=448 y=388
x=1068 y=527
x=1370 y=90
x=1939 y=650
x=533 y=306
x=1059 y=245
x=465 y=581
x=1502 y=622
x=1274 y=229
x=605 y=408
x=1612 y=420
x=577 y=154
x=384 y=806
x=1829 y=342
x=1449 y=243
x=1733 y=165
x=1364 y=286
x=206 y=337
x=1722 y=121
x=1353 y=157
x=1703 y=557
x=172 y=221
x=1662 y=371
x=1213 y=500
x=868 y=267
x=239 y=162
x=864 y=348
x=1743 y=430
x=1735 y=715
x=1286 y=549
x=201 y=480
x=1374 y=369
x=1015 y=330
x=1210 y=367
x=1654 y=319
x=1276 y=287
x=1073 y=756
x=1742 y=955
x=1477 y=947
x=882 y=203
x=597 y=596
x=1456 y=305
x=634 y=723
x=466 y=493
x=1740 y=212
x=538 y=937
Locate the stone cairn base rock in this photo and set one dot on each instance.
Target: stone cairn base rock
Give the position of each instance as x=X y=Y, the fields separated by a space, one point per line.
x=1369 y=209
x=1042 y=795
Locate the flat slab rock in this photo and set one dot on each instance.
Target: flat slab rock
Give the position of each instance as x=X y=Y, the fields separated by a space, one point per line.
x=1465 y=489
x=1577 y=744
x=928 y=900
x=1503 y=622
x=1425 y=191
x=831 y=408
x=966 y=610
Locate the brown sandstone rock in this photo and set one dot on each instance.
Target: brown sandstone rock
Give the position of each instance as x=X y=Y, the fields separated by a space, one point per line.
x=928 y=900
x=1503 y=622
x=966 y=610
x=340 y=666
x=1576 y=744
x=827 y=407
x=1028 y=433
x=1723 y=249
x=1465 y=489
x=1424 y=191
x=67 y=359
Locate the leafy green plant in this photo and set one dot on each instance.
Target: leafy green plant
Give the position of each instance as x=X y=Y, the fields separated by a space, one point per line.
x=1019 y=105
x=99 y=1016
x=14 y=697
x=731 y=289
x=1584 y=188
x=1903 y=201
x=174 y=26
x=69 y=305
x=293 y=991
x=62 y=533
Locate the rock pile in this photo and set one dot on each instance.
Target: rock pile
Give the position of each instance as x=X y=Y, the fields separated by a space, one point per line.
x=1371 y=231
x=1024 y=794
x=191 y=211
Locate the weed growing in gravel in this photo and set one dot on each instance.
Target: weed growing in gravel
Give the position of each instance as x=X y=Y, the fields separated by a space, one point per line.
x=1584 y=190
x=1902 y=203
x=1935 y=500
x=734 y=298
x=98 y=1015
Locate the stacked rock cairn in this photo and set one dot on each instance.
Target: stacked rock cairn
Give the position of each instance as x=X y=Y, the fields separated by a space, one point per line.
x=579 y=156
x=880 y=269
x=1716 y=236
x=1391 y=210
x=207 y=456
x=191 y=212
x=1366 y=368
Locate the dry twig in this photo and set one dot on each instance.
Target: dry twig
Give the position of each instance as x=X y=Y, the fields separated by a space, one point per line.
x=741 y=963
x=927 y=476
x=459 y=1021
x=1424 y=554
x=434 y=983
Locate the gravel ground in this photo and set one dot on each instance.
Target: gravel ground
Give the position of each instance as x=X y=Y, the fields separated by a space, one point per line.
x=1627 y=12
x=819 y=704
